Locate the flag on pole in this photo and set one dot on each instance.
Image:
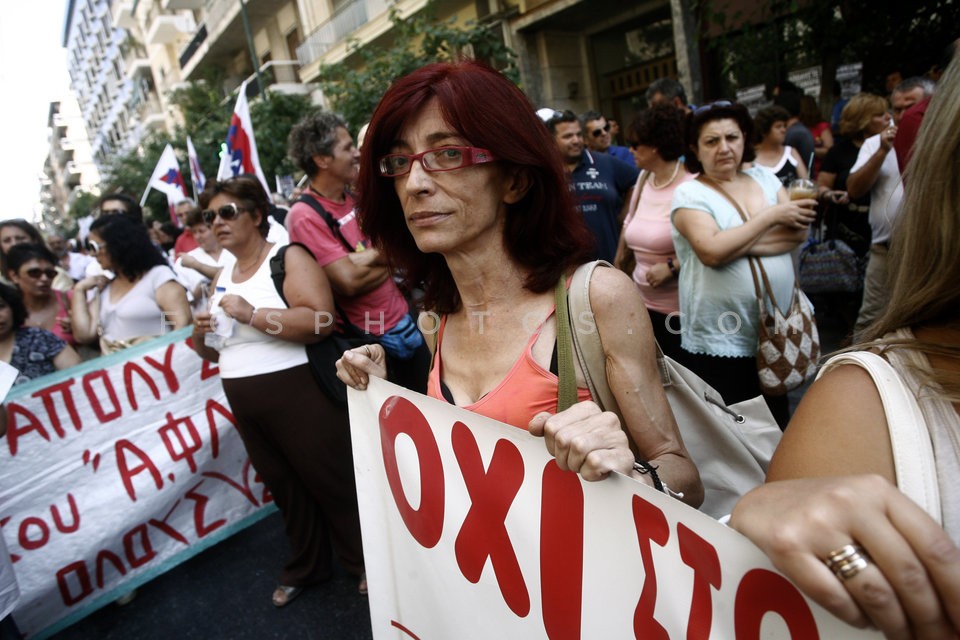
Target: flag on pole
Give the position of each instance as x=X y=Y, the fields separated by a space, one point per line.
x=196 y=173
x=168 y=179
x=241 y=155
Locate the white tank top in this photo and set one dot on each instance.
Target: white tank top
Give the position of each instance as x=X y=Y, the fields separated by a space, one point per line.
x=250 y=352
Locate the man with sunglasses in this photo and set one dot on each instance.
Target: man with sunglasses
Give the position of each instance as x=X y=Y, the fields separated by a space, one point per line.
x=118 y=204
x=599 y=137
x=601 y=184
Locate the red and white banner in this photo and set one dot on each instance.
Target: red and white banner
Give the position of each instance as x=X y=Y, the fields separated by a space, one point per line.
x=241 y=154
x=115 y=471
x=470 y=530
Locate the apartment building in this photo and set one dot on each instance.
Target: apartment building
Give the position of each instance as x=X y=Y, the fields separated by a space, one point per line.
x=69 y=166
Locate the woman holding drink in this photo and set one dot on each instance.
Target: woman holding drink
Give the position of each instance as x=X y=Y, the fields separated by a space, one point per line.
x=718 y=301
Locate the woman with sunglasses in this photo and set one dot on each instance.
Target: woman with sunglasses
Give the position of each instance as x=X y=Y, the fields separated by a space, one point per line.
x=656 y=139
x=14 y=232
x=718 y=300
x=31 y=269
x=298 y=440
x=475 y=205
x=143 y=300
x=32 y=351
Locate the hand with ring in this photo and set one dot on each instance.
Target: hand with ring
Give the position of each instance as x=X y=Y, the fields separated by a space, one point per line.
x=860 y=548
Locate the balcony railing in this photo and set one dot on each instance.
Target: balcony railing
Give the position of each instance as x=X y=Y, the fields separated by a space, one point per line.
x=198 y=39
x=338 y=28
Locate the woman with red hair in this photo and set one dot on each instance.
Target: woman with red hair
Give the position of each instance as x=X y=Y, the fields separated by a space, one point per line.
x=463 y=190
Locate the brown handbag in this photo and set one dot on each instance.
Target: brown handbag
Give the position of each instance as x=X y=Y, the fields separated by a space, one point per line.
x=788 y=346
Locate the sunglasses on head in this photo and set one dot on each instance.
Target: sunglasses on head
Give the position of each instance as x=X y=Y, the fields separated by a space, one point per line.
x=229 y=211
x=36 y=272
x=707 y=107
x=111 y=212
x=596 y=133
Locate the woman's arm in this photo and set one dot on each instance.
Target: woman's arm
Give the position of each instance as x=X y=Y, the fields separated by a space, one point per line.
x=84 y=314
x=716 y=248
x=67 y=358
x=310 y=315
x=201 y=327
x=632 y=374
x=172 y=300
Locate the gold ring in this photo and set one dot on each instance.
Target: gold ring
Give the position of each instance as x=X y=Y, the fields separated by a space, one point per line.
x=847 y=561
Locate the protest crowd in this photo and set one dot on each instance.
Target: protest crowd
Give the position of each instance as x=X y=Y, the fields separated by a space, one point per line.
x=440 y=256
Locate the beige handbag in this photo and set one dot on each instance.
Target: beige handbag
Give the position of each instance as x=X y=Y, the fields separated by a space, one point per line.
x=731 y=445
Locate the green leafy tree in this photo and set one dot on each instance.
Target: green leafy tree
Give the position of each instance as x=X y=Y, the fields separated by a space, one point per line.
x=272 y=120
x=356 y=85
x=206 y=117
x=130 y=173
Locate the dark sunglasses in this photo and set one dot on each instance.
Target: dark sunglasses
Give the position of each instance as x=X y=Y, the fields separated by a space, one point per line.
x=94 y=247
x=229 y=211
x=707 y=107
x=36 y=272
x=596 y=133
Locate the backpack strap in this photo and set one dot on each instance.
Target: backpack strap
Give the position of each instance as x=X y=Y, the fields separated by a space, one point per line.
x=314 y=204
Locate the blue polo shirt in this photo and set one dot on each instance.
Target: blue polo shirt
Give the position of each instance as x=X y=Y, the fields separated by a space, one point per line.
x=599 y=184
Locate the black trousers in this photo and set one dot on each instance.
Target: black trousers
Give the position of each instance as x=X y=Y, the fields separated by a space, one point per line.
x=299 y=443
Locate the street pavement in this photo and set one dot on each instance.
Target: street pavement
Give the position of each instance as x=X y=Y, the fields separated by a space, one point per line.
x=224 y=592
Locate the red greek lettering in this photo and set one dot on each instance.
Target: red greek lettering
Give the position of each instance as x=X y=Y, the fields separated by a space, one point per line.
x=200 y=505
x=74 y=514
x=63 y=390
x=483 y=533
x=140 y=534
x=16 y=430
x=208 y=369
x=94 y=399
x=425 y=524
x=561 y=552
x=79 y=569
x=103 y=557
x=24 y=533
x=244 y=489
x=13 y=557
x=127 y=473
x=651 y=527
x=761 y=592
x=181 y=450
x=215 y=407
x=130 y=368
x=166 y=368
x=166 y=528
x=701 y=556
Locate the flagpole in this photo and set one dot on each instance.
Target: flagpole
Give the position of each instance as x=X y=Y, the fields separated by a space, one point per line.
x=253 y=49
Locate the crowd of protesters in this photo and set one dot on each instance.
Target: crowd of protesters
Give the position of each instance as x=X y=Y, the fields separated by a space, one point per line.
x=453 y=210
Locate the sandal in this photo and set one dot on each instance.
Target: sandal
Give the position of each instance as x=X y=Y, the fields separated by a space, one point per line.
x=284 y=595
x=362 y=588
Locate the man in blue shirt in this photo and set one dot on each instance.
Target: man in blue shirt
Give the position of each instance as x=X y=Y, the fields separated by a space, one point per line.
x=601 y=184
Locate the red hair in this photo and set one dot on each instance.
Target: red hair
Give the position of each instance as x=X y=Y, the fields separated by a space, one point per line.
x=544 y=231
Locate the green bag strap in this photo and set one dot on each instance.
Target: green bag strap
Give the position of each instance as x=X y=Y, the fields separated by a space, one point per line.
x=567 y=391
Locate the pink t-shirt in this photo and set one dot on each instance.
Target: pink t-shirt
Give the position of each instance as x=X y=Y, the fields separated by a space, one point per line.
x=647 y=231
x=376 y=311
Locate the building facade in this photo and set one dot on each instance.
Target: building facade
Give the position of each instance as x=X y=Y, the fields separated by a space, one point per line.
x=69 y=167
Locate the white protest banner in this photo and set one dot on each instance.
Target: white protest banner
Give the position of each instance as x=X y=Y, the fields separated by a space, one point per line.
x=470 y=530
x=116 y=471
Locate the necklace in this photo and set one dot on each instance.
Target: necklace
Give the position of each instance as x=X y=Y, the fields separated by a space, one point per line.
x=256 y=261
x=653 y=178
x=323 y=195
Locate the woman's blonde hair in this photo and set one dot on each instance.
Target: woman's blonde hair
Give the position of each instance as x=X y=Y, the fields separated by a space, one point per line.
x=923 y=266
x=856 y=115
